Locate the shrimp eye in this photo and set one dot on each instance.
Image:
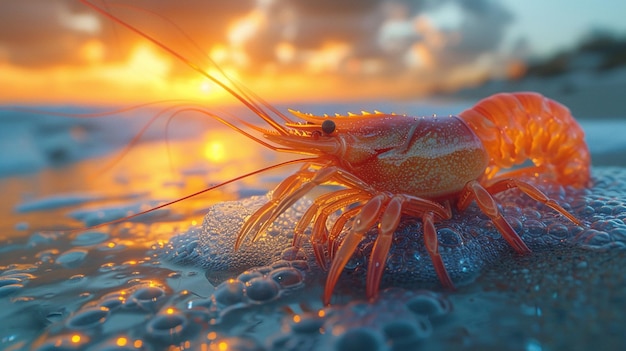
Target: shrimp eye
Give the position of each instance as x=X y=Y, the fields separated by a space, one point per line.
x=328 y=126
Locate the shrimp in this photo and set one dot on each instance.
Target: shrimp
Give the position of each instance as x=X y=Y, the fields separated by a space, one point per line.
x=392 y=165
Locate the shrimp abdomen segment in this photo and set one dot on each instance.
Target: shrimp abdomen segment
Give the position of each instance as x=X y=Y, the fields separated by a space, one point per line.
x=525 y=126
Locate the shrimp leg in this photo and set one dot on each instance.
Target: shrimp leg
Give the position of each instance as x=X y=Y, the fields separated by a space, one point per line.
x=474 y=191
x=391 y=207
x=318 y=213
x=386 y=227
x=533 y=193
x=363 y=221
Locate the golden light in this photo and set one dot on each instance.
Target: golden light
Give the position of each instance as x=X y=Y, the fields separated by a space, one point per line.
x=214 y=151
x=297 y=319
x=222 y=346
x=219 y=53
x=422 y=57
x=206 y=86
x=145 y=59
x=75 y=338
x=321 y=313
x=285 y=52
x=121 y=341
x=170 y=311
x=92 y=51
x=245 y=28
x=328 y=58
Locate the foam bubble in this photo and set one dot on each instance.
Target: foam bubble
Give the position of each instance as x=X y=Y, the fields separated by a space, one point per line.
x=468 y=241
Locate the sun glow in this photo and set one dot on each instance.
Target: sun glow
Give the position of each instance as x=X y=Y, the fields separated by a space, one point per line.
x=262 y=47
x=214 y=151
x=144 y=75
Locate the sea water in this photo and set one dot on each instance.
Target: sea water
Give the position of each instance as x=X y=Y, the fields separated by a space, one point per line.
x=172 y=279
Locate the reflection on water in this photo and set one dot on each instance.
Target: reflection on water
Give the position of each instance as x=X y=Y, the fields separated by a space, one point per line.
x=69 y=283
x=159 y=171
x=108 y=289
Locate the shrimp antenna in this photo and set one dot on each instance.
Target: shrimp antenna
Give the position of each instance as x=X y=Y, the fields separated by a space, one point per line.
x=197 y=193
x=242 y=96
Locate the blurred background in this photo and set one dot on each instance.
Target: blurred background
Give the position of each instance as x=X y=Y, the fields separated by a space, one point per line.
x=417 y=57
x=61 y=51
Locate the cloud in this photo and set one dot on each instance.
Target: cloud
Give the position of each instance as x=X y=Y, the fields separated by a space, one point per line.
x=37 y=32
x=380 y=37
x=422 y=39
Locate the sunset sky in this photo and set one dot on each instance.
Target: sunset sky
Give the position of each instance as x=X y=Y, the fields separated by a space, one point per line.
x=61 y=51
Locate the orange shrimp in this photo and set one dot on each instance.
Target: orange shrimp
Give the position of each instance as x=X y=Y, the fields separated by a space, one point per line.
x=390 y=165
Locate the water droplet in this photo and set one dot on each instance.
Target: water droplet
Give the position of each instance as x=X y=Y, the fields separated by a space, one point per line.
x=9 y=289
x=288 y=277
x=360 y=339
x=148 y=297
x=535 y=228
x=262 y=290
x=293 y=253
x=429 y=304
x=405 y=335
x=167 y=326
x=88 y=318
x=89 y=238
x=229 y=292
x=72 y=258
x=449 y=238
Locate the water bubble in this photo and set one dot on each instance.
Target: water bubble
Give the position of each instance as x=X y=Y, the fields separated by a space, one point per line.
x=9 y=289
x=300 y=265
x=47 y=255
x=288 y=277
x=168 y=326
x=113 y=300
x=428 y=304
x=405 y=335
x=4 y=281
x=42 y=239
x=558 y=231
x=148 y=297
x=262 y=289
x=249 y=275
x=534 y=227
x=88 y=318
x=449 y=237
x=76 y=278
x=293 y=253
x=360 y=339
x=90 y=238
x=229 y=292
x=72 y=258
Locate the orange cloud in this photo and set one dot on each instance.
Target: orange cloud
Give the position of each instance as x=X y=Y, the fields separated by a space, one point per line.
x=282 y=50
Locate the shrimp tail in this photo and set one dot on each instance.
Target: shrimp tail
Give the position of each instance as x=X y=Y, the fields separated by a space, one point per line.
x=516 y=127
